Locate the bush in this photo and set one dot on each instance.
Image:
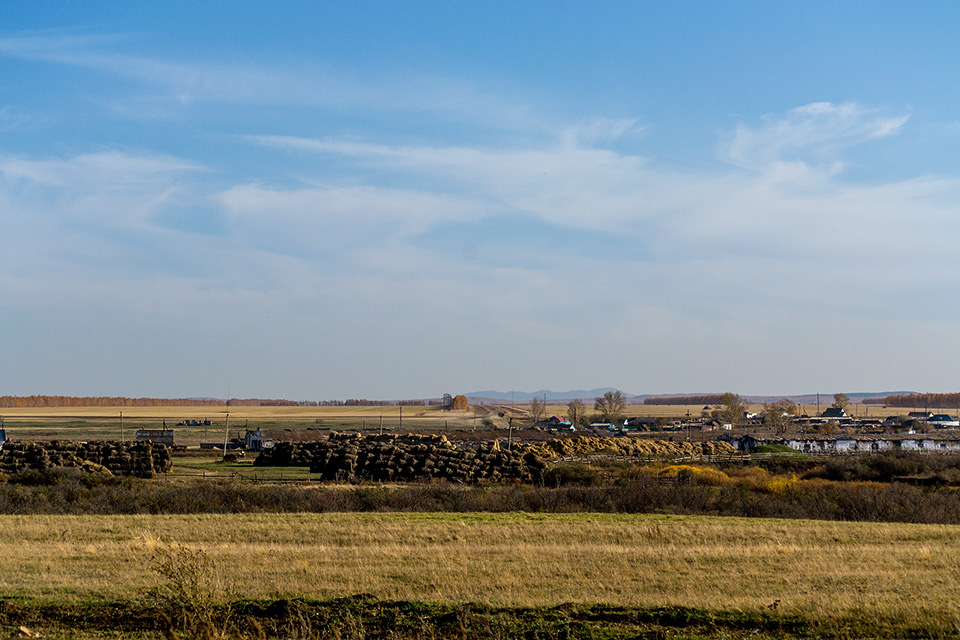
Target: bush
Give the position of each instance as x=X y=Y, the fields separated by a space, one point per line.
x=572 y=474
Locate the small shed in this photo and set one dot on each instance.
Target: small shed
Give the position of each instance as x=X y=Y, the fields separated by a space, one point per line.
x=156 y=436
x=253 y=440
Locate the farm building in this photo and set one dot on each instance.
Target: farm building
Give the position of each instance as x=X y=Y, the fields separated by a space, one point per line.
x=837 y=414
x=644 y=423
x=557 y=422
x=253 y=440
x=944 y=421
x=851 y=444
x=157 y=436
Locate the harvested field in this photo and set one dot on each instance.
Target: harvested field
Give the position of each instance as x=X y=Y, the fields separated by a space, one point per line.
x=814 y=570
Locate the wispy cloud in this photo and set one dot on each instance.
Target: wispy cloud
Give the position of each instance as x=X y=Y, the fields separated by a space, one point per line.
x=560 y=184
x=308 y=82
x=601 y=131
x=816 y=133
x=758 y=232
x=108 y=170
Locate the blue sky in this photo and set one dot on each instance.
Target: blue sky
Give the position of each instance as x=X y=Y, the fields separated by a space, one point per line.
x=402 y=199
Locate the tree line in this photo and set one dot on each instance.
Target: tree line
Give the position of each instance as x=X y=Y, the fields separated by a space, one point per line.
x=930 y=400
x=42 y=401
x=102 y=401
x=363 y=402
x=11 y=402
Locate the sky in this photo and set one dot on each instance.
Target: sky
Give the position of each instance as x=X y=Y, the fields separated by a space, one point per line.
x=403 y=199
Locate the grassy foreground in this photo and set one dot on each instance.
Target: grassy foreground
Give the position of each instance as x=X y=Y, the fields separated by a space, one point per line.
x=893 y=577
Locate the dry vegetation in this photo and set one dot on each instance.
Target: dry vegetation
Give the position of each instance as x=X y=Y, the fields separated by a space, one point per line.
x=831 y=570
x=586 y=445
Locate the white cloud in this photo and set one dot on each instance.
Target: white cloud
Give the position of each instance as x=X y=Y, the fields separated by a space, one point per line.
x=331 y=218
x=738 y=258
x=562 y=185
x=706 y=243
x=815 y=132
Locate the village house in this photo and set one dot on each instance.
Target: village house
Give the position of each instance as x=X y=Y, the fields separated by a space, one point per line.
x=836 y=414
x=943 y=421
x=556 y=422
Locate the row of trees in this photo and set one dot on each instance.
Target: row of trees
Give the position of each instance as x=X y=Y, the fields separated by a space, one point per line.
x=609 y=407
x=730 y=408
x=10 y=402
x=928 y=400
x=104 y=401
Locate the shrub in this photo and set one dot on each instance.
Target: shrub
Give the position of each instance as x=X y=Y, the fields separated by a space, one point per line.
x=191 y=590
x=572 y=474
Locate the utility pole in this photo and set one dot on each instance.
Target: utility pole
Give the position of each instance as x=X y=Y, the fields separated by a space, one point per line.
x=226 y=428
x=121 y=426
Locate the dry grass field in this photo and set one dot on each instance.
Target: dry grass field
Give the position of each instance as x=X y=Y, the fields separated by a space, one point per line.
x=371 y=414
x=893 y=574
x=82 y=423
x=88 y=423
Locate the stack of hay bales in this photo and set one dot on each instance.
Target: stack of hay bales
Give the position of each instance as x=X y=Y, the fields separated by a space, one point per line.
x=586 y=445
x=140 y=459
x=21 y=456
x=384 y=458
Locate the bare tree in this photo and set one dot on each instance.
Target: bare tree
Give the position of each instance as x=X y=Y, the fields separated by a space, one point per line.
x=610 y=406
x=841 y=401
x=576 y=412
x=779 y=414
x=731 y=410
x=538 y=408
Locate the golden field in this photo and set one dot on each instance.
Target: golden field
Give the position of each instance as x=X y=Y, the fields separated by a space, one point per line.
x=814 y=569
x=104 y=423
x=371 y=415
